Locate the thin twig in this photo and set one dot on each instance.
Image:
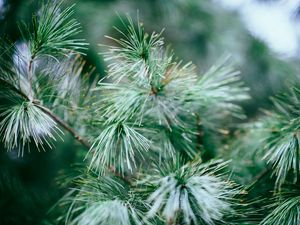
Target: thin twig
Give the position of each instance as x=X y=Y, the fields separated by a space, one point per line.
x=76 y=135
x=50 y=113
x=64 y=125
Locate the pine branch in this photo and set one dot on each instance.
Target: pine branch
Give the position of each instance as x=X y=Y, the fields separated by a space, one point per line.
x=77 y=136
x=282 y=137
x=285 y=212
x=62 y=123
x=53 y=31
x=118 y=146
x=103 y=200
x=194 y=190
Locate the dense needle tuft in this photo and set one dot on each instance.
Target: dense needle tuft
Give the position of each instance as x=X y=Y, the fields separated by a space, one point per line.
x=118 y=147
x=24 y=122
x=191 y=194
x=104 y=200
x=53 y=31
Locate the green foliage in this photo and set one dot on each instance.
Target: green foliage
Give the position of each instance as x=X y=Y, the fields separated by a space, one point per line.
x=104 y=200
x=145 y=125
x=220 y=88
x=32 y=86
x=53 y=31
x=118 y=145
x=286 y=210
x=277 y=144
x=190 y=194
x=24 y=122
x=282 y=140
x=136 y=48
x=64 y=88
x=118 y=102
x=151 y=90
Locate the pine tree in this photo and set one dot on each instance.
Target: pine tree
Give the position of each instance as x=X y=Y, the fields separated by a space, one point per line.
x=145 y=125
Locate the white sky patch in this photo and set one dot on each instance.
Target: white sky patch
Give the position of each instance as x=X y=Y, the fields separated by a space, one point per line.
x=272 y=22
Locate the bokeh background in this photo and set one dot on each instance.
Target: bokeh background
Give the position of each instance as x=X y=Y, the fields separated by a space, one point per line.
x=261 y=37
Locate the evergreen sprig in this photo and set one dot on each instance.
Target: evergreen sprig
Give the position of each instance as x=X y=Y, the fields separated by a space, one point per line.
x=193 y=193
x=277 y=144
x=221 y=88
x=34 y=88
x=146 y=121
x=118 y=147
x=104 y=200
x=24 y=122
x=282 y=138
x=285 y=209
x=150 y=89
x=53 y=31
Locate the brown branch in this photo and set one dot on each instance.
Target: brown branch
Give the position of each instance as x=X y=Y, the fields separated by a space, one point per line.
x=50 y=113
x=64 y=125
x=75 y=135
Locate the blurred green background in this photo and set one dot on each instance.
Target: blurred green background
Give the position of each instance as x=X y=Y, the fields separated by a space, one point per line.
x=198 y=30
